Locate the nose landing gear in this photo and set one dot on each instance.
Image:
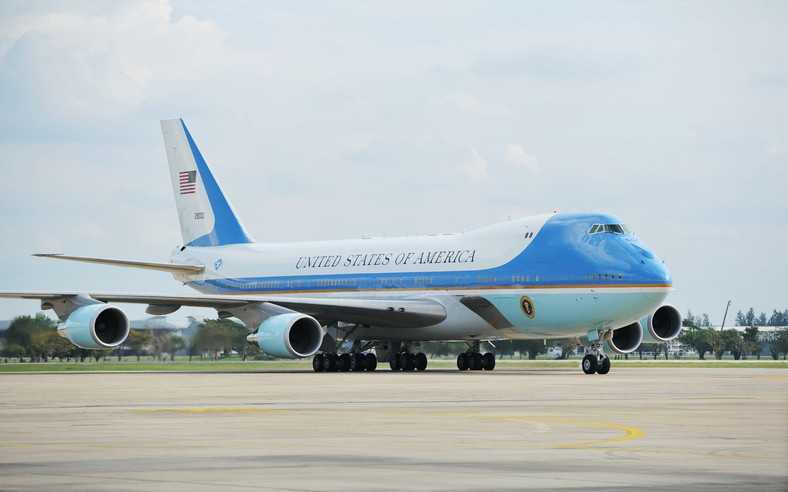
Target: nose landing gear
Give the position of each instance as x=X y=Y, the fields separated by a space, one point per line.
x=595 y=360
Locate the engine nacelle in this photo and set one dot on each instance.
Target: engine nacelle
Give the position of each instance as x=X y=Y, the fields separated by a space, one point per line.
x=663 y=325
x=625 y=340
x=288 y=336
x=96 y=326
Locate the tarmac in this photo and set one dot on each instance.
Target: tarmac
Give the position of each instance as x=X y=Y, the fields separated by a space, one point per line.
x=641 y=428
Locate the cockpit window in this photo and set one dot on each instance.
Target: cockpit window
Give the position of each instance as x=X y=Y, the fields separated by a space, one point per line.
x=612 y=228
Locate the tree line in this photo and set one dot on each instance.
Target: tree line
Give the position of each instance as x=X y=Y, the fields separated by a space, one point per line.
x=36 y=338
x=704 y=339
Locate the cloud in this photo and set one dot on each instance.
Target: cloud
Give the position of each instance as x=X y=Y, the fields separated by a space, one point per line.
x=776 y=149
x=72 y=70
x=476 y=169
x=466 y=102
x=516 y=155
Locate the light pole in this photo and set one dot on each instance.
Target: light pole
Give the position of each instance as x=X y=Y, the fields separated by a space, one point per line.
x=725 y=316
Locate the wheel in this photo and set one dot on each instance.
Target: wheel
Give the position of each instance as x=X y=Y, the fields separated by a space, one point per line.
x=357 y=362
x=604 y=366
x=589 y=364
x=370 y=362
x=407 y=361
x=462 y=362
x=489 y=361
x=421 y=361
x=394 y=363
x=330 y=363
x=344 y=362
x=317 y=363
x=475 y=361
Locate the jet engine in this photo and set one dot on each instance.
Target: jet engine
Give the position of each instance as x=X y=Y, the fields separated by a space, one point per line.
x=664 y=324
x=288 y=336
x=626 y=339
x=96 y=326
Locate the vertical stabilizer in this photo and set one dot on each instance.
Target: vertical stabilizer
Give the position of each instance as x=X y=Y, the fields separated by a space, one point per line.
x=206 y=217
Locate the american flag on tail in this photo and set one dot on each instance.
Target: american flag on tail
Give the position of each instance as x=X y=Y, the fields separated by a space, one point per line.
x=188 y=180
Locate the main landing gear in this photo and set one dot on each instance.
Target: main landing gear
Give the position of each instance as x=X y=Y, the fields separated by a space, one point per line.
x=595 y=360
x=345 y=362
x=473 y=360
x=408 y=361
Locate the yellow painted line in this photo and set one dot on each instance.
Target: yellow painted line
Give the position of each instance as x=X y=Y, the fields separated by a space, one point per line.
x=629 y=432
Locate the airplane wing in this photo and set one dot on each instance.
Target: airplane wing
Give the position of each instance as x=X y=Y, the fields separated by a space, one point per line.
x=147 y=265
x=394 y=313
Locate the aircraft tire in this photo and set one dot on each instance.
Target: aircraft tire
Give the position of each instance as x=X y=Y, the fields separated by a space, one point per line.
x=370 y=362
x=394 y=363
x=489 y=361
x=317 y=363
x=407 y=361
x=589 y=364
x=462 y=362
x=604 y=366
x=344 y=362
x=357 y=362
x=475 y=361
x=421 y=361
x=330 y=363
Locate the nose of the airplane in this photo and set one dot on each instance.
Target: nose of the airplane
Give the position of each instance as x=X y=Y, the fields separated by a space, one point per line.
x=662 y=274
x=651 y=269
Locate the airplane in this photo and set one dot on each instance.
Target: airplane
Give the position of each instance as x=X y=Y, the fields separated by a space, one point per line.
x=350 y=304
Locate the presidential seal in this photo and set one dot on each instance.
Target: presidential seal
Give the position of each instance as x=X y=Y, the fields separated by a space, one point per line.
x=527 y=306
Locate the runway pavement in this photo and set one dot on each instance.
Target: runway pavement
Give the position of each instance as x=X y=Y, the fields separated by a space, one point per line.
x=558 y=429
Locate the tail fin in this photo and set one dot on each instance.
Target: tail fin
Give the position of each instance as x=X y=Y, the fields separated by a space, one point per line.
x=207 y=218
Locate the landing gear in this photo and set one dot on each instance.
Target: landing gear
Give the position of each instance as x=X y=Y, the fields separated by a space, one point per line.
x=317 y=362
x=407 y=361
x=596 y=361
x=473 y=360
x=358 y=362
x=489 y=361
x=370 y=362
x=604 y=366
x=330 y=363
x=421 y=361
x=345 y=362
x=589 y=364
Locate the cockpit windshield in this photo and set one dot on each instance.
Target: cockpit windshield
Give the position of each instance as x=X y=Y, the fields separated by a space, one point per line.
x=611 y=228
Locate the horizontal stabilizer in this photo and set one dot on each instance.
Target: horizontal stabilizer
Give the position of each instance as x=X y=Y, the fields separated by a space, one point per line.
x=162 y=267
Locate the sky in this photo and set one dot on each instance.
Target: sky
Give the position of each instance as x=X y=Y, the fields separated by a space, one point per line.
x=334 y=120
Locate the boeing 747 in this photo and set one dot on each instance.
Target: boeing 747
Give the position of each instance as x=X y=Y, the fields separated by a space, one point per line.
x=353 y=303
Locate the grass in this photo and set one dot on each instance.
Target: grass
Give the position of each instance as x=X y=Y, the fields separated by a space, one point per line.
x=306 y=365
